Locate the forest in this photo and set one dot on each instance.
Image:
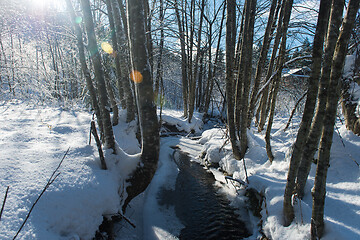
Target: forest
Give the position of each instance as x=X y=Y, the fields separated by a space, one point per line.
x=180 y=119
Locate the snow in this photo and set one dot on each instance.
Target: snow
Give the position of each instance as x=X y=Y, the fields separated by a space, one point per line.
x=342 y=203
x=33 y=140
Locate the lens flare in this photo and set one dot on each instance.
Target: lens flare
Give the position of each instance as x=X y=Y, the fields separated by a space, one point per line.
x=136 y=76
x=78 y=20
x=107 y=47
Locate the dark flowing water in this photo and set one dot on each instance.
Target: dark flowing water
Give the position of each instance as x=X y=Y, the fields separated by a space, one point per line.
x=205 y=213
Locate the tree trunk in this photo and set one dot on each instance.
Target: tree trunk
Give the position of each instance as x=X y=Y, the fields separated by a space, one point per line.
x=317 y=223
x=312 y=139
x=159 y=69
x=116 y=55
x=262 y=59
x=99 y=75
x=245 y=70
x=230 y=49
x=124 y=62
x=183 y=59
x=277 y=78
x=265 y=94
x=141 y=72
x=196 y=64
x=84 y=68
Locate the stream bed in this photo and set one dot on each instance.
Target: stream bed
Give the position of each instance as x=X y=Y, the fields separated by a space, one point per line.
x=205 y=213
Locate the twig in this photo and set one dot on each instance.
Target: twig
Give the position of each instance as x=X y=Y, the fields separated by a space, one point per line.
x=3 y=205
x=342 y=141
x=246 y=176
x=50 y=181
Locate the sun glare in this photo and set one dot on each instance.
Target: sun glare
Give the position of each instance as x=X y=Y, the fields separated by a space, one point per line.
x=42 y=5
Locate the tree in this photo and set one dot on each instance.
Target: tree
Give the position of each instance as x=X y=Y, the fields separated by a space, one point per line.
x=230 y=49
x=308 y=111
x=287 y=6
x=312 y=139
x=99 y=75
x=319 y=190
x=141 y=75
x=84 y=67
x=263 y=55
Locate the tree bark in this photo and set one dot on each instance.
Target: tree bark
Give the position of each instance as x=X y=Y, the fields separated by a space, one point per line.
x=150 y=139
x=230 y=49
x=116 y=55
x=262 y=59
x=245 y=70
x=265 y=94
x=84 y=68
x=124 y=62
x=196 y=65
x=312 y=139
x=279 y=66
x=99 y=75
x=317 y=222
x=183 y=59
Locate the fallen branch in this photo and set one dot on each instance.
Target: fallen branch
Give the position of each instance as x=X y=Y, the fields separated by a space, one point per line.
x=236 y=180
x=98 y=144
x=294 y=109
x=342 y=141
x=3 y=205
x=54 y=175
x=120 y=215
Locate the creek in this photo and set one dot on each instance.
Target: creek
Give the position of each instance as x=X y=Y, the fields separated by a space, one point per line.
x=202 y=209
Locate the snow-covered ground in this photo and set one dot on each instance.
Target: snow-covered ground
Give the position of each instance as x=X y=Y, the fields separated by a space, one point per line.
x=342 y=203
x=34 y=139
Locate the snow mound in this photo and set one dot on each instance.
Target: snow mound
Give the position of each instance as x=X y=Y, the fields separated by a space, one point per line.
x=35 y=140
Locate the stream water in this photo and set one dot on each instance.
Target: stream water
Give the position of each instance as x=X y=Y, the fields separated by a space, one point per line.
x=205 y=213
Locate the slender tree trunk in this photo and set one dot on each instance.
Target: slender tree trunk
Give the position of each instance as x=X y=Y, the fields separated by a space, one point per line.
x=124 y=61
x=99 y=75
x=312 y=139
x=212 y=80
x=110 y=91
x=84 y=68
x=196 y=64
x=183 y=58
x=230 y=49
x=159 y=72
x=141 y=73
x=317 y=222
x=245 y=71
x=149 y=43
x=262 y=59
x=277 y=78
x=265 y=94
x=116 y=55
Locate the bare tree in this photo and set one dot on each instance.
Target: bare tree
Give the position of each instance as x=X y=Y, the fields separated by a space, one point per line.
x=141 y=74
x=99 y=75
x=317 y=223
